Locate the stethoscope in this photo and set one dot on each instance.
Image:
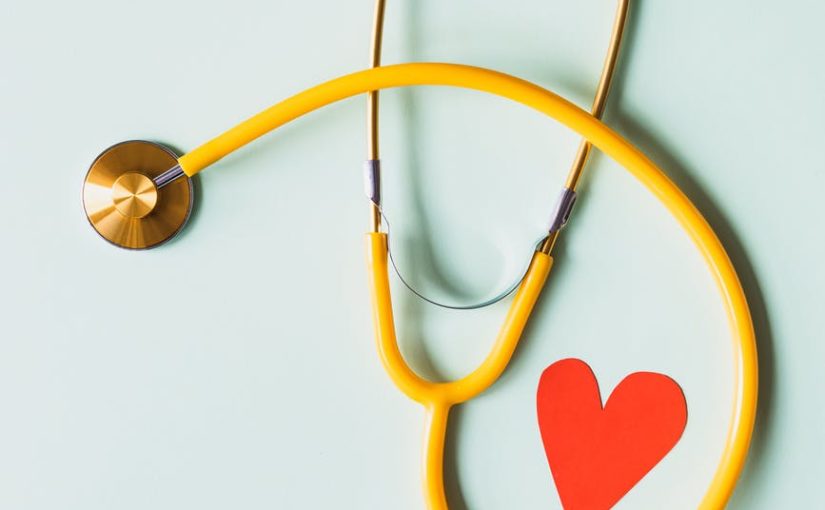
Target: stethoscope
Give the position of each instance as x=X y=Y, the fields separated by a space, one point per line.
x=139 y=194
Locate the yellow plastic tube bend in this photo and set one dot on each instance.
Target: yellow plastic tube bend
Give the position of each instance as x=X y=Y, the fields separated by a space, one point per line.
x=453 y=392
x=439 y=397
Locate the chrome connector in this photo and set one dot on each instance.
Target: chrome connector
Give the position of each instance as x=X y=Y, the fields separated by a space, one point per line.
x=168 y=176
x=562 y=210
x=372 y=180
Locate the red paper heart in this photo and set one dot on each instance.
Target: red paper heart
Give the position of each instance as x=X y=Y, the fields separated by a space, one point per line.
x=597 y=454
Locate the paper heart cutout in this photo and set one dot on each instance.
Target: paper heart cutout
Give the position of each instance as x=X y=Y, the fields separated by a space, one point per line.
x=598 y=453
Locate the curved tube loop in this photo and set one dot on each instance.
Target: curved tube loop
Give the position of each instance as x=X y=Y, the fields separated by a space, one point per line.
x=461 y=390
x=733 y=456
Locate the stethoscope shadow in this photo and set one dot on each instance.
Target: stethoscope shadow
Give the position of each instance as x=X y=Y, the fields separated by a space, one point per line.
x=667 y=159
x=674 y=165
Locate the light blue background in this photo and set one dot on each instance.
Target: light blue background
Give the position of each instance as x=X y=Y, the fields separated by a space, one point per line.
x=235 y=368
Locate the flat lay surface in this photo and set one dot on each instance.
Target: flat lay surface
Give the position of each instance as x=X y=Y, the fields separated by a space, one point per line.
x=235 y=366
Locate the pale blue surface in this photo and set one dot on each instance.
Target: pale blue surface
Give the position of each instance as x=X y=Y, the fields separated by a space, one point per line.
x=262 y=389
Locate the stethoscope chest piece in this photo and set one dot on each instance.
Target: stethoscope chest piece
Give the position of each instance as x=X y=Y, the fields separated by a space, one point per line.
x=127 y=200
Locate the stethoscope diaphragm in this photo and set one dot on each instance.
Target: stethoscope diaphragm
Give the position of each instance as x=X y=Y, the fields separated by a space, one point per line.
x=123 y=201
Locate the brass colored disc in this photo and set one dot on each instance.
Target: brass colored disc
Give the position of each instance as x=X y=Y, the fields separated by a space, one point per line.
x=122 y=202
x=134 y=195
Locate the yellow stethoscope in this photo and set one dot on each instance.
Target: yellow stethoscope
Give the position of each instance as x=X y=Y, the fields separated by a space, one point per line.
x=137 y=194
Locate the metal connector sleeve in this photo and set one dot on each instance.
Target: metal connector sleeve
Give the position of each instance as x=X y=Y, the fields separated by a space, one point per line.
x=561 y=212
x=372 y=180
x=168 y=176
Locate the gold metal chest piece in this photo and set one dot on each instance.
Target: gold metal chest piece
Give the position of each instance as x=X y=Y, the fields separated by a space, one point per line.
x=124 y=205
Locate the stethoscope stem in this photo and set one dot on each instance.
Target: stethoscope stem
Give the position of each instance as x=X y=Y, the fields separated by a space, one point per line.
x=169 y=176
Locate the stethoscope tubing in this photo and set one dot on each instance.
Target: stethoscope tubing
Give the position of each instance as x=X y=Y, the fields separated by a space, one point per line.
x=745 y=367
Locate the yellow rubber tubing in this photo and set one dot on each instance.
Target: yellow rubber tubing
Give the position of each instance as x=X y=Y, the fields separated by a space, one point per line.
x=733 y=456
x=438 y=398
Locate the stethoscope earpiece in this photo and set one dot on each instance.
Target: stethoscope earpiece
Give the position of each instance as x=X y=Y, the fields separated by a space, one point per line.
x=133 y=196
